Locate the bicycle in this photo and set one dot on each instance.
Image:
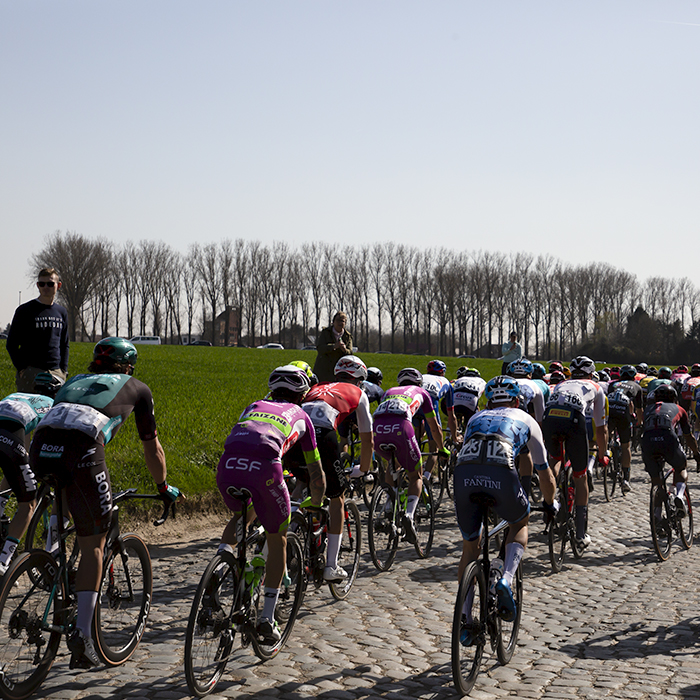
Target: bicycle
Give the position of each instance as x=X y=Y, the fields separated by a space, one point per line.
x=665 y=520
x=385 y=526
x=484 y=620
x=562 y=527
x=612 y=473
x=445 y=471
x=229 y=600
x=312 y=527
x=365 y=485
x=38 y=604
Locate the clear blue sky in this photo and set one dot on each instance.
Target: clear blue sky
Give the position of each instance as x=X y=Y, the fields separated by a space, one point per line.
x=568 y=128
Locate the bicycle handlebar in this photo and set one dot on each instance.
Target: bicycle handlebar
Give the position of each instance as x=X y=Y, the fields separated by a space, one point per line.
x=130 y=494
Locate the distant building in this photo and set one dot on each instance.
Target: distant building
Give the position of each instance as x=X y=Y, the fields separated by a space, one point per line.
x=233 y=316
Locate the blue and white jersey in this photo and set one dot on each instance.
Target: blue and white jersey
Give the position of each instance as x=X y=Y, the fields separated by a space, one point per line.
x=531 y=397
x=374 y=391
x=438 y=387
x=497 y=436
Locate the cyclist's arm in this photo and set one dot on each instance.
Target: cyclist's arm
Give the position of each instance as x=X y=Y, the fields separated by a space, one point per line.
x=435 y=429
x=317 y=482
x=155 y=459
x=366 y=447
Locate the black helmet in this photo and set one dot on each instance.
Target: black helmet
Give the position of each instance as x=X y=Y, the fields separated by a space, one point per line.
x=627 y=372
x=47 y=384
x=118 y=350
x=374 y=375
x=664 y=393
x=409 y=375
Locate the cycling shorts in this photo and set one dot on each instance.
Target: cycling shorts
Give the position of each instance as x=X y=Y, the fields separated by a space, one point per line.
x=265 y=481
x=14 y=462
x=77 y=463
x=463 y=413
x=659 y=446
x=565 y=428
x=624 y=428
x=393 y=434
x=327 y=443
x=501 y=483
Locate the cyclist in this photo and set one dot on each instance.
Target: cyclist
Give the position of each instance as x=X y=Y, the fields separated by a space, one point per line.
x=20 y=413
x=691 y=383
x=678 y=377
x=69 y=444
x=555 y=378
x=393 y=431
x=660 y=441
x=538 y=376
x=467 y=388
x=327 y=405
x=625 y=407
x=663 y=377
x=575 y=408
x=486 y=464
x=252 y=459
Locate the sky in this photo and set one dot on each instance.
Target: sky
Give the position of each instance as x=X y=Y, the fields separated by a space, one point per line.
x=548 y=127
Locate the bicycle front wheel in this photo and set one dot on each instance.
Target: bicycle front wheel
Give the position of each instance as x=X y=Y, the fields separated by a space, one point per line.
x=124 y=599
x=424 y=520
x=660 y=521
x=508 y=631
x=349 y=555
x=382 y=533
x=469 y=627
x=685 y=525
x=210 y=634
x=559 y=533
x=28 y=606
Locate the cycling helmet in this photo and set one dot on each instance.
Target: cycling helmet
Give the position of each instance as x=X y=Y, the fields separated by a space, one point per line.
x=409 y=375
x=664 y=373
x=47 y=384
x=652 y=372
x=538 y=371
x=581 y=366
x=566 y=372
x=664 y=393
x=436 y=367
x=303 y=366
x=289 y=377
x=118 y=350
x=604 y=376
x=556 y=367
x=352 y=365
x=502 y=390
x=468 y=372
x=627 y=372
x=695 y=370
x=556 y=377
x=642 y=367
x=520 y=368
x=374 y=375
x=595 y=376
x=682 y=369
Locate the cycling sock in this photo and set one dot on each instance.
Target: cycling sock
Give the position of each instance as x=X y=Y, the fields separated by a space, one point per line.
x=514 y=553
x=333 y=549
x=87 y=600
x=8 y=550
x=581 y=515
x=680 y=488
x=3 y=503
x=271 y=595
x=525 y=482
x=411 y=506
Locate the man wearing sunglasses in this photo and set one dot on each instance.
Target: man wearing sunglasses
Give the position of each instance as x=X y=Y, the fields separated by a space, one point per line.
x=38 y=337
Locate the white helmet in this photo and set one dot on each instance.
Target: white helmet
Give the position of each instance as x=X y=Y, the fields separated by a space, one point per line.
x=289 y=377
x=352 y=365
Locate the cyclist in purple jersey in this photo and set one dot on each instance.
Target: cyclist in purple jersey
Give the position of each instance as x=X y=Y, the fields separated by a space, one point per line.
x=252 y=459
x=393 y=432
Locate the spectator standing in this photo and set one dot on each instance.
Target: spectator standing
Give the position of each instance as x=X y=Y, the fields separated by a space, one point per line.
x=333 y=343
x=510 y=350
x=38 y=337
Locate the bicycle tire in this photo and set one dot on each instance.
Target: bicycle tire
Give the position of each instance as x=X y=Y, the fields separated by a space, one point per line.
x=124 y=599
x=609 y=479
x=382 y=532
x=27 y=598
x=508 y=631
x=576 y=549
x=437 y=488
x=210 y=636
x=559 y=533
x=290 y=599
x=350 y=551
x=424 y=521
x=685 y=525
x=467 y=659
x=661 y=528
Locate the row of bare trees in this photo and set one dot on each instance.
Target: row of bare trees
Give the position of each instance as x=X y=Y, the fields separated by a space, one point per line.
x=400 y=298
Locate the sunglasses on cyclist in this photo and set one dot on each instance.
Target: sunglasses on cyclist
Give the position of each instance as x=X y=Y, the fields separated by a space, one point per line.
x=47 y=284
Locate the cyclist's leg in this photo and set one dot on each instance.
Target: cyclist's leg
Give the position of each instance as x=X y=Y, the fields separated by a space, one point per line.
x=577 y=447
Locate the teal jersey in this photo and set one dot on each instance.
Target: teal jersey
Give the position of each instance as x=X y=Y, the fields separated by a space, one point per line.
x=25 y=409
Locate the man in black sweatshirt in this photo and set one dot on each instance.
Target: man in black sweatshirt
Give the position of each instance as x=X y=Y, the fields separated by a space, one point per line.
x=38 y=337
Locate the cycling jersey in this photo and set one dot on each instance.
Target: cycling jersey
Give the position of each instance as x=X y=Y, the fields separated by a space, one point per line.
x=659 y=441
x=467 y=391
x=688 y=388
x=328 y=404
x=25 y=410
x=624 y=397
x=405 y=401
x=439 y=387
x=531 y=397
x=542 y=384
x=374 y=391
x=655 y=383
x=582 y=395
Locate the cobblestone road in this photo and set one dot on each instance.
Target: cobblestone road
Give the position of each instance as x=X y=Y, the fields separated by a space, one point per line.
x=609 y=625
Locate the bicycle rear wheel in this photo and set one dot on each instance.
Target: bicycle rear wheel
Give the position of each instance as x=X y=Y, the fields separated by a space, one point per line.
x=559 y=533
x=660 y=521
x=124 y=599
x=382 y=533
x=610 y=479
x=685 y=525
x=469 y=626
x=508 y=631
x=29 y=600
x=289 y=601
x=424 y=520
x=350 y=547
x=210 y=635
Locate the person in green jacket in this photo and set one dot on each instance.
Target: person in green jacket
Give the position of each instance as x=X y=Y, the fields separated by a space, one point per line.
x=333 y=343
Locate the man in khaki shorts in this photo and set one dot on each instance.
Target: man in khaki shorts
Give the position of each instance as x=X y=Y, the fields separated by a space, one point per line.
x=38 y=337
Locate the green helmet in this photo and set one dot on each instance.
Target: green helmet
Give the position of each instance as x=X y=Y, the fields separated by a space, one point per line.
x=118 y=350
